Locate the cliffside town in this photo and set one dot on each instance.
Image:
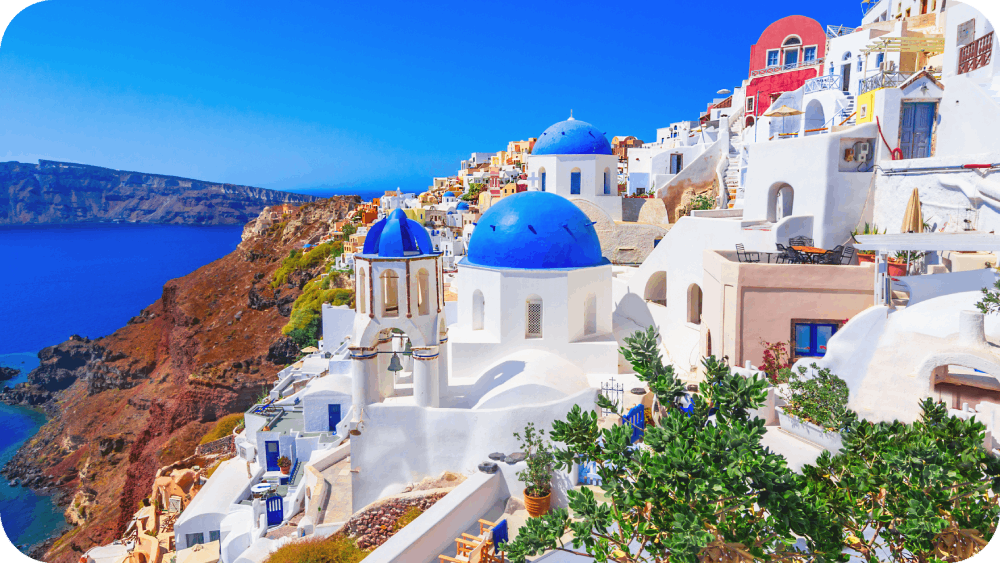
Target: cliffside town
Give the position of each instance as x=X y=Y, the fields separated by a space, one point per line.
x=125 y=405
x=60 y=192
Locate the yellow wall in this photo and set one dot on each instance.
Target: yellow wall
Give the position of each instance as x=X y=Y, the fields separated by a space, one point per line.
x=865 y=106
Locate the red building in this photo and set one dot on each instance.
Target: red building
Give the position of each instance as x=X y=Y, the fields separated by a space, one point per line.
x=789 y=52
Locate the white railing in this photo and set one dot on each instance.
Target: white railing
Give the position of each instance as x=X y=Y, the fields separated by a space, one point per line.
x=820 y=83
x=785 y=68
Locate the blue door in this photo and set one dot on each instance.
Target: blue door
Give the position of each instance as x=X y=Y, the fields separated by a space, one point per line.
x=275 y=510
x=918 y=122
x=574 y=182
x=334 y=411
x=636 y=419
x=271 y=455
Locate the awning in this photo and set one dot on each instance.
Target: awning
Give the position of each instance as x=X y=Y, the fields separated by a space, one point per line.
x=906 y=45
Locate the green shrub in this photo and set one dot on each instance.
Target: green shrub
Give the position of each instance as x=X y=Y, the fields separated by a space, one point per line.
x=305 y=322
x=298 y=261
x=336 y=549
x=223 y=427
x=408 y=516
x=820 y=399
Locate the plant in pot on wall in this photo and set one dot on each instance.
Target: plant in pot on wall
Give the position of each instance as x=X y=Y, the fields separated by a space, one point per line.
x=903 y=260
x=537 y=478
x=816 y=408
x=866 y=255
x=284 y=464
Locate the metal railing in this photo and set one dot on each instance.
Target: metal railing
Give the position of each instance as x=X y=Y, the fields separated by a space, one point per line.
x=838 y=30
x=882 y=80
x=785 y=68
x=868 y=5
x=828 y=82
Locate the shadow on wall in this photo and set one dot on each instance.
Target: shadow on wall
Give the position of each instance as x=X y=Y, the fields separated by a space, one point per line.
x=465 y=396
x=634 y=308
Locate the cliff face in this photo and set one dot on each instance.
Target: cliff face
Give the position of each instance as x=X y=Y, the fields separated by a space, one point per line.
x=58 y=192
x=206 y=348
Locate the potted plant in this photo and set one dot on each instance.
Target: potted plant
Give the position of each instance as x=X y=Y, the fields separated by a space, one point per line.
x=537 y=478
x=816 y=408
x=284 y=464
x=899 y=263
x=866 y=255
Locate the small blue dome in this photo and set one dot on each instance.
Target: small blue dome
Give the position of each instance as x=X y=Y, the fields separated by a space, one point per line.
x=449 y=194
x=537 y=231
x=572 y=137
x=462 y=206
x=397 y=236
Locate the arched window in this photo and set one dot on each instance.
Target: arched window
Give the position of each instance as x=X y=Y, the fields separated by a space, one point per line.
x=423 y=297
x=362 y=293
x=847 y=56
x=750 y=121
x=694 y=304
x=791 y=40
x=478 y=309
x=656 y=288
x=607 y=181
x=590 y=314
x=390 y=294
x=574 y=181
x=533 y=318
x=541 y=175
x=780 y=202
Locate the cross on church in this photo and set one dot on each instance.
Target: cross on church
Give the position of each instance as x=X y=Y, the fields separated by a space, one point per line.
x=534 y=180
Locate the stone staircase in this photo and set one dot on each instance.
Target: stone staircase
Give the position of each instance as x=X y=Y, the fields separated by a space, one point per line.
x=732 y=176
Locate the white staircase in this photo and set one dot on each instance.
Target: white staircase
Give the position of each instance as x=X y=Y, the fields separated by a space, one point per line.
x=848 y=112
x=732 y=176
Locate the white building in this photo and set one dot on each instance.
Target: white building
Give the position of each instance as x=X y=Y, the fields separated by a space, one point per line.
x=574 y=160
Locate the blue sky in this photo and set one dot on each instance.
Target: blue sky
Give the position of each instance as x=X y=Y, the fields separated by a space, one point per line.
x=356 y=95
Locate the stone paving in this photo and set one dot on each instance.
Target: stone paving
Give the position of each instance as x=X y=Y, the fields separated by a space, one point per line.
x=338 y=508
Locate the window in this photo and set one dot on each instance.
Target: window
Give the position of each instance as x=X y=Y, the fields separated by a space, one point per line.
x=542 y=174
x=879 y=58
x=811 y=337
x=772 y=57
x=676 y=163
x=791 y=40
x=390 y=293
x=847 y=56
x=809 y=54
x=422 y=288
x=607 y=182
x=574 y=182
x=860 y=63
x=195 y=539
x=750 y=103
x=174 y=504
x=214 y=535
x=533 y=318
x=791 y=56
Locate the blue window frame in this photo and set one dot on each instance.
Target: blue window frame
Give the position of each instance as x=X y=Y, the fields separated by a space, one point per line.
x=879 y=57
x=543 y=181
x=809 y=54
x=772 y=57
x=607 y=183
x=810 y=338
x=860 y=63
x=574 y=183
x=214 y=535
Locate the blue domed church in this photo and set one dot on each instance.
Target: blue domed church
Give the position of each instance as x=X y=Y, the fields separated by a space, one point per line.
x=573 y=159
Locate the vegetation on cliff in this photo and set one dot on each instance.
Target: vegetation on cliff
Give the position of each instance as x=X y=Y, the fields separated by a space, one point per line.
x=224 y=427
x=298 y=261
x=305 y=324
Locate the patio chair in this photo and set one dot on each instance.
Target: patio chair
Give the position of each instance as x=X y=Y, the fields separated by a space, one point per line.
x=472 y=549
x=787 y=255
x=800 y=241
x=834 y=256
x=743 y=256
x=848 y=255
x=495 y=536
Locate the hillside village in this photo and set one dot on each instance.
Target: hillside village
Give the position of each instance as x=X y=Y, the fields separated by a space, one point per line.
x=834 y=211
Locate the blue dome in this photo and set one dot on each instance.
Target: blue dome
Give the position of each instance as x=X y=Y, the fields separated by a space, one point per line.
x=397 y=236
x=537 y=231
x=449 y=194
x=572 y=137
x=462 y=206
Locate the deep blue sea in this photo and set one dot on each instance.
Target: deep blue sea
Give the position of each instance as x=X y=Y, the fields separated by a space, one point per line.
x=87 y=280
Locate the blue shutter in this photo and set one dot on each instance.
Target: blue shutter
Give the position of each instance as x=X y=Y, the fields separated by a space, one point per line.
x=574 y=183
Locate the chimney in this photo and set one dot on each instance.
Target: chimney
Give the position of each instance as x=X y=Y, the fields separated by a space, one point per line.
x=971 y=331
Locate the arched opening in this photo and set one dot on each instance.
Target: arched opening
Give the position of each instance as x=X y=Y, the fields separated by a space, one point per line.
x=607 y=181
x=423 y=298
x=390 y=294
x=791 y=40
x=694 y=304
x=814 y=116
x=780 y=199
x=656 y=288
x=845 y=72
x=478 y=307
x=590 y=314
x=750 y=121
x=541 y=177
x=533 y=317
x=361 y=296
x=708 y=343
x=791 y=47
x=574 y=181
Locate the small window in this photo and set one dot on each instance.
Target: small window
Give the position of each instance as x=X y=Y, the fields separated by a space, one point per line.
x=533 y=318
x=607 y=182
x=847 y=56
x=195 y=539
x=810 y=338
x=773 y=57
x=543 y=181
x=676 y=163
x=390 y=293
x=809 y=54
x=791 y=56
x=214 y=535
x=750 y=104
x=879 y=58
x=574 y=182
x=860 y=63
x=791 y=41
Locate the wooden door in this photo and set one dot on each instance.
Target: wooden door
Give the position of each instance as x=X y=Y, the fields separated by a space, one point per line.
x=917 y=126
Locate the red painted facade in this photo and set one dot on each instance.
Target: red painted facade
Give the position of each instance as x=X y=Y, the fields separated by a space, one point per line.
x=788 y=38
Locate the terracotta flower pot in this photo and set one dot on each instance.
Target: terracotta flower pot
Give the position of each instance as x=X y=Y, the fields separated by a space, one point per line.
x=536 y=506
x=897 y=268
x=285 y=469
x=862 y=258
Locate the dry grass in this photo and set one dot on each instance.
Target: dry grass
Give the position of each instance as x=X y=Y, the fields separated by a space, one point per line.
x=409 y=516
x=335 y=549
x=223 y=427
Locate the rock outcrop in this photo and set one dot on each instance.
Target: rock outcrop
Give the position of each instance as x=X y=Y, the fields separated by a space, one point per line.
x=53 y=192
x=127 y=404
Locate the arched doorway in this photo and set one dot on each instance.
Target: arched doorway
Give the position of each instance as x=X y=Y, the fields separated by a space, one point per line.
x=780 y=202
x=656 y=288
x=694 y=304
x=814 y=116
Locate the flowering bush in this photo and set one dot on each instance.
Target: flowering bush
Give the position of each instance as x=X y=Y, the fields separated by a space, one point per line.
x=776 y=364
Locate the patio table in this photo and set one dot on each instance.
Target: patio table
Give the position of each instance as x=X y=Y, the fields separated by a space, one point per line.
x=812 y=253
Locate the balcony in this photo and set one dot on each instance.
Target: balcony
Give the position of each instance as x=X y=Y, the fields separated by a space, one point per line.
x=882 y=80
x=820 y=83
x=976 y=54
x=778 y=69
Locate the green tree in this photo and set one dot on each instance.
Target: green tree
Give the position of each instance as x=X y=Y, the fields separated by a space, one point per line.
x=701 y=488
x=990 y=303
x=348 y=230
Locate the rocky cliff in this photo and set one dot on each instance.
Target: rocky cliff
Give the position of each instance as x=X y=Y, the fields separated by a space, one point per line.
x=59 y=192
x=206 y=348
